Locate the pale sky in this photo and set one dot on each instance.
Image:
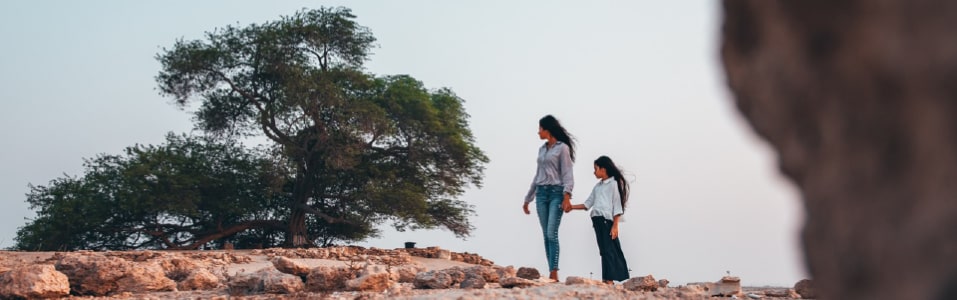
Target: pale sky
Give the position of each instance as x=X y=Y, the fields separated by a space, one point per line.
x=640 y=81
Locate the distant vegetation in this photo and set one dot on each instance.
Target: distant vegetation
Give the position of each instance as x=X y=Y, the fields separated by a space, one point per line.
x=349 y=150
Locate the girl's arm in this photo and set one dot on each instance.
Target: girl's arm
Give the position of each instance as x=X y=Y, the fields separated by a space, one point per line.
x=588 y=202
x=616 y=210
x=614 y=227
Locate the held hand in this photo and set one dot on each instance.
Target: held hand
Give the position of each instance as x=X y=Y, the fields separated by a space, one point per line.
x=614 y=231
x=567 y=203
x=525 y=208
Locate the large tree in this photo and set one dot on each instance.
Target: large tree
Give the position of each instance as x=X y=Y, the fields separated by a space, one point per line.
x=361 y=149
x=186 y=193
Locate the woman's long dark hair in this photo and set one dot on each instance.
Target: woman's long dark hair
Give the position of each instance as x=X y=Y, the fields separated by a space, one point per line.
x=551 y=124
x=605 y=162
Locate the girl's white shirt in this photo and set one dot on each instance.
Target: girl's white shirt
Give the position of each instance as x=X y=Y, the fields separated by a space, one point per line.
x=604 y=200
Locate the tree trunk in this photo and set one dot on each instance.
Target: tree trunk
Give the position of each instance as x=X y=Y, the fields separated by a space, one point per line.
x=296 y=234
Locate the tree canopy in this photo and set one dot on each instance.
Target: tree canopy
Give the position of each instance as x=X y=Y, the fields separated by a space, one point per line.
x=360 y=149
x=348 y=150
x=187 y=193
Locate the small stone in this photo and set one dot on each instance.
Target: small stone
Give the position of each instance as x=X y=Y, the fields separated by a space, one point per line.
x=517 y=282
x=644 y=283
x=473 y=282
x=806 y=289
x=528 y=273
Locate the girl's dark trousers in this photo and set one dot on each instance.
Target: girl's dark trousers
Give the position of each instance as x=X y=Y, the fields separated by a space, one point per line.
x=613 y=265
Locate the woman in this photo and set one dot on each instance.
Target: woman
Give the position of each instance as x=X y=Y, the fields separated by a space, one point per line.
x=552 y=185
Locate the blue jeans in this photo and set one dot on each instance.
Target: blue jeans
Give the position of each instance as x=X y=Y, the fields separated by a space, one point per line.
x=548 y=202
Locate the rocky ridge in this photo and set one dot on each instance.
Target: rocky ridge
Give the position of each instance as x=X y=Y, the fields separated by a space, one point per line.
x=318 y=273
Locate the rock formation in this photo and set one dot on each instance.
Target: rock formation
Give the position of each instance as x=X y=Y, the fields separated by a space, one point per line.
x=32 y=282
x=858 y=100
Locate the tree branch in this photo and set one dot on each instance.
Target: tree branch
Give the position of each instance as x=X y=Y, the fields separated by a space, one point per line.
x=329 y=219
x=202 y=240
x=267 y=120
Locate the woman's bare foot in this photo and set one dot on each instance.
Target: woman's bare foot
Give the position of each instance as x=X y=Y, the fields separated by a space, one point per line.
x=609 y=282
x=553 y=276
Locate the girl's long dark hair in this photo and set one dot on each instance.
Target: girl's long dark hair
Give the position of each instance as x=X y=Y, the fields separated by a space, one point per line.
x=551 y=124
x=605 y=162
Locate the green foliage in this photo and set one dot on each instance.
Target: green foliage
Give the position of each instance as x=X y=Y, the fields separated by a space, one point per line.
x=359 y=149
x=183 y=194
x=351 y=151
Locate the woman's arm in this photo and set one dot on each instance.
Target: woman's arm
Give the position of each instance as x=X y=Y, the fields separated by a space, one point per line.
x=566 y=167
x=530 y=195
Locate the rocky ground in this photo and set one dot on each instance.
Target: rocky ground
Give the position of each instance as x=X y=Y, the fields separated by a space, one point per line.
x=323 y=273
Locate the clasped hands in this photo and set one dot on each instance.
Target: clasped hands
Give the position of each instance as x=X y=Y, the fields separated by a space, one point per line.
x=566 y=205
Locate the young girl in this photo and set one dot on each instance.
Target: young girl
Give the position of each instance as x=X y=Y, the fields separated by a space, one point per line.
x=607 y=203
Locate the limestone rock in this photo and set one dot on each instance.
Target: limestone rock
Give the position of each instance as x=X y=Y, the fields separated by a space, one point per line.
x=434 y=279
x=268 y=280
x=473 y=281
x=99 y=275
x=663 y=283
x=444 y=254
x=488 y=274
x=89 y=274
x=528 y=273
x=456 y=273
x=375 y=282
x=518 y=282
x=290 y=266
x=33 y=281
x=436 y=252
x=405 y=274
x=178 y=268
x=727 y=286
x=805 y=288
x=145 y=277
x=325 y=279
x=245 y=284
x=275 y=282
x=782 y=293
x=505 y=272
x=581 y=280
x=856 y=98
x=697 y=290
x=644 y=283
x=199 y=279
x=371 y=268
